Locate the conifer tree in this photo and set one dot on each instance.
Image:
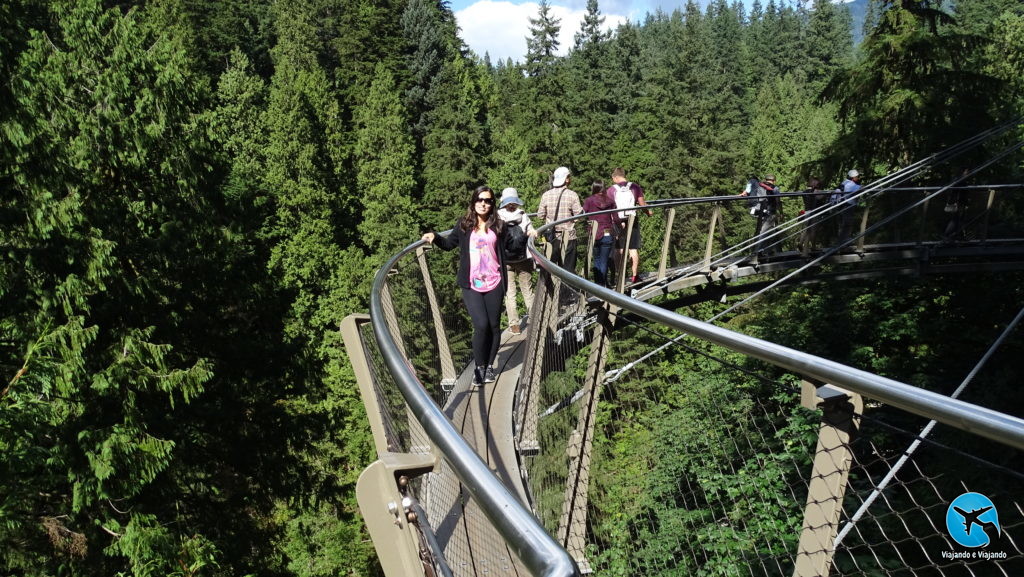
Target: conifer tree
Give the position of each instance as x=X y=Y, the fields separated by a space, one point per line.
x=428 y=47
x=828 y=42
x=315 y=261
x=542 y=44
x=108 y=224
x=384 y=175
x=912 y=93
x=591 y=28
x=455 y=144
x=539 y=116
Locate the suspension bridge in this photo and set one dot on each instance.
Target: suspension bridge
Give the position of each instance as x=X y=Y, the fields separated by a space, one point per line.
x=773 y=462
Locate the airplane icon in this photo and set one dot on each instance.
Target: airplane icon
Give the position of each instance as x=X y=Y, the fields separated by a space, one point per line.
x=971 y=519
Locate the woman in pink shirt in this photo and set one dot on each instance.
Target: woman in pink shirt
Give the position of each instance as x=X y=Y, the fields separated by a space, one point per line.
x=480 y=237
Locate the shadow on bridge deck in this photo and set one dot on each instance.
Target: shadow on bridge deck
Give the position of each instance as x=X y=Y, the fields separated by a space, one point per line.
x=483 y=415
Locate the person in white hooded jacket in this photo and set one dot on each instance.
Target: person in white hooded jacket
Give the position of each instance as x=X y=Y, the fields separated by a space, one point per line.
x=519 y=267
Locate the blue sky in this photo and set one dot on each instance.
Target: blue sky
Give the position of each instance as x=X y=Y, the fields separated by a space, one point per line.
x=500 y=27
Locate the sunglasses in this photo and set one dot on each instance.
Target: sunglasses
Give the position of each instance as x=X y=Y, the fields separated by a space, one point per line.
x=486 y=200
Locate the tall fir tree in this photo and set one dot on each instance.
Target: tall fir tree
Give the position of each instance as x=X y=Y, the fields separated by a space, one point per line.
x=540 y=121
x=542 y=44
x=455 y=145
x=912 y=93
x=828 y=43
x=592 y=28
x=384 y=176
x=108 y=227
x=314 y=259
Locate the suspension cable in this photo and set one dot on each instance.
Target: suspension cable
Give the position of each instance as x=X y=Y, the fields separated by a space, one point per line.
x=884 y=222
x=877 y=187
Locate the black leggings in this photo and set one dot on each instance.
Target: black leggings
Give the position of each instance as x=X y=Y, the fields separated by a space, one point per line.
x=485 y=312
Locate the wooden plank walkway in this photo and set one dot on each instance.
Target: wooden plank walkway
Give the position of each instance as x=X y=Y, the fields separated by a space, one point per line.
x=484 y=417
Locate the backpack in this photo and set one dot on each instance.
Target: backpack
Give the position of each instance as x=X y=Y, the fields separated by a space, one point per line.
x=624 y=199
x=515 y=242
x=755 y=192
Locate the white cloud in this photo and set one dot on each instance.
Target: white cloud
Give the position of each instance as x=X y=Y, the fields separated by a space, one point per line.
x=500 y=28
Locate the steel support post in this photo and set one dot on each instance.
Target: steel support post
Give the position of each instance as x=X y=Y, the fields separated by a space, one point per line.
x=716 y=214
x=663 y=263
x=922 y=231
x=391 y=319
x=353 y=339
x=572 y=524
x=840 y=420
x=543 y=315
x=448 y=374
x=988 y=210
x=416 y=432
x=863 y=227
x=589 y=271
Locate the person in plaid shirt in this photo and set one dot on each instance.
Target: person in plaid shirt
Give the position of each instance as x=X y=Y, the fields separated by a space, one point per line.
x=556 y=204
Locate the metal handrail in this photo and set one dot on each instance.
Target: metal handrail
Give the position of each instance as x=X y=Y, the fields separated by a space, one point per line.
x=987 y=423
x=523 y=533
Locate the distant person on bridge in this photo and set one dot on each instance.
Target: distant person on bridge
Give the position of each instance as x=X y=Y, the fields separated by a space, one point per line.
x=765 y=205
x=956 y=206
x=605 y=226
x=628 y=195
x=843 y=196
x=518 y=261
x=813 y=198
x=480 y=237
x=558 y=203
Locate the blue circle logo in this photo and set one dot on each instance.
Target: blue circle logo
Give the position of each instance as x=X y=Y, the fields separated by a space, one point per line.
x=972 y=520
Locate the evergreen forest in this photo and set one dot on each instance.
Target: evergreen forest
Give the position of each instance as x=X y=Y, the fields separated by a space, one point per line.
x=194 y=193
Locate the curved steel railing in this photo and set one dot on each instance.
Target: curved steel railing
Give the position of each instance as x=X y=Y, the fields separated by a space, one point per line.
x=523 y=533
x=521 y=530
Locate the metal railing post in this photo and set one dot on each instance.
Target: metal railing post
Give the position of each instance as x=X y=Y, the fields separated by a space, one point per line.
x=389 y=317
x=448 y=374
x=988 y=211
x=863 y=227
x=622 y=263
x=589 y=271
x=716 y=214
x=572 y=524
x=663 y=263
x=544 y=314
x=923 y=227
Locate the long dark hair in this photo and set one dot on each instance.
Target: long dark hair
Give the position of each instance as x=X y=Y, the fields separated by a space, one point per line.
x=597 y=189
x=468 y=220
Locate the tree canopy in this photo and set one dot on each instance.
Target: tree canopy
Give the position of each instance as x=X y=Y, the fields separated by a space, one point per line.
x=194 y=194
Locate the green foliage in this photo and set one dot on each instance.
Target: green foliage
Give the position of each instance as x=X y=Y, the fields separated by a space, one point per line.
x=679 y=486
x=911 y=92
x=107 y=166
x=384 y=175
x=195 y=193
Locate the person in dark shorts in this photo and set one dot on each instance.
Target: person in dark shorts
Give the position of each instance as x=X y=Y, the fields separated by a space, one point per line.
x=627 y=195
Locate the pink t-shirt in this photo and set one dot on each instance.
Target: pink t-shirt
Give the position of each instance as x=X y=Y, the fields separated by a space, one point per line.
x=484 y=272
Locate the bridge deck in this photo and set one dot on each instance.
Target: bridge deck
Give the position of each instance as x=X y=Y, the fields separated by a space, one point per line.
x=484 y=417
